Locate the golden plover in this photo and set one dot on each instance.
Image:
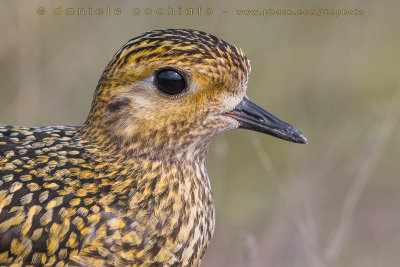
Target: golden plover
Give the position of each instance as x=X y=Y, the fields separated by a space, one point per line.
x=130 y=187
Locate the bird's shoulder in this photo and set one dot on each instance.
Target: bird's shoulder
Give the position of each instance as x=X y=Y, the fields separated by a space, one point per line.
x=41 y=214
x=33 y=158
x=31 y=139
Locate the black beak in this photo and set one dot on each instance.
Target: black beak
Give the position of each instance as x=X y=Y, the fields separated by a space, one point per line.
x=252 y=117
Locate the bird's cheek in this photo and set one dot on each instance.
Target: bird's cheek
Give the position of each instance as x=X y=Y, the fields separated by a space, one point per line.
x=220 y=124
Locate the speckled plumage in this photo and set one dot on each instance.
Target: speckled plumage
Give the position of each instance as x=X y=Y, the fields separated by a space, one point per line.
x=65 y=201
x=129 y=187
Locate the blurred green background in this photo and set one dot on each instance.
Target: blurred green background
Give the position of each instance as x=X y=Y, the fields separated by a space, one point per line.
x=333 y=202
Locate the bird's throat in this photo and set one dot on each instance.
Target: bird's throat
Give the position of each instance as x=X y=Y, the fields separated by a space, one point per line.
x=171 y=196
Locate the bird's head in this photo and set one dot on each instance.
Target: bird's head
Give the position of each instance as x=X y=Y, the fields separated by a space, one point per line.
x=172 y=91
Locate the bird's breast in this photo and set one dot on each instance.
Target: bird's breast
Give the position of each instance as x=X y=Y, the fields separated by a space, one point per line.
x=168 y=218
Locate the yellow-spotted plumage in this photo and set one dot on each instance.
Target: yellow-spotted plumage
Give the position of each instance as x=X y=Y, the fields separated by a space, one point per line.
x=129 y=187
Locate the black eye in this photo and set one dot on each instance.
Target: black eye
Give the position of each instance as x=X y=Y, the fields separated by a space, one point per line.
x=170 y=82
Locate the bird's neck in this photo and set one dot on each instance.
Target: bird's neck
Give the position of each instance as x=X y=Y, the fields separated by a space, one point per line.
x=156 y=144
x=171 y=194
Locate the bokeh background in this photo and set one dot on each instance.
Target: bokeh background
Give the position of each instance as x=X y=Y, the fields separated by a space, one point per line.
x=333 y=202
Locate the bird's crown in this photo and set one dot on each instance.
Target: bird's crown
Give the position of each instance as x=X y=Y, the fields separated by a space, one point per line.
x=201 y=52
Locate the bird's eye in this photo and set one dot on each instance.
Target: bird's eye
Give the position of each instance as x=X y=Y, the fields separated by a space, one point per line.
x=170 y=82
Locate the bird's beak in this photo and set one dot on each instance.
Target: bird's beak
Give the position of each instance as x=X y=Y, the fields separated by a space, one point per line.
x=251 y=116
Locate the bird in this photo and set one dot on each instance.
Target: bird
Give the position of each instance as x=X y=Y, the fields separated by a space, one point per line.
x=130 y=186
